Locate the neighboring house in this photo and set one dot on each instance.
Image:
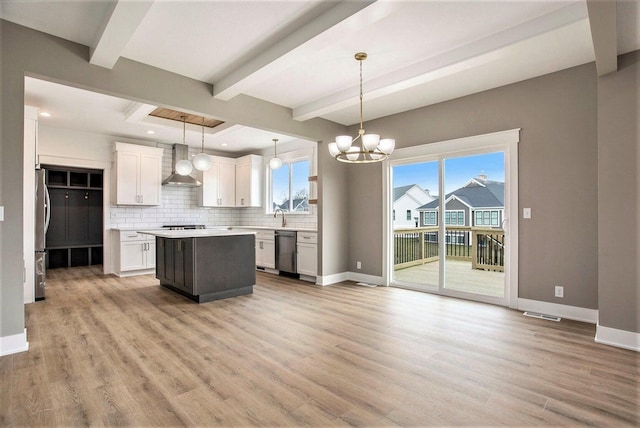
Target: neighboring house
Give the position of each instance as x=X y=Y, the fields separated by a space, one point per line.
x=406 y=200
x=299 y=205
x=480 y=202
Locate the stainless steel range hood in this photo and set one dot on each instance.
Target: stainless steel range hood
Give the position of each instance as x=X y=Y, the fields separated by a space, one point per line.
x=180 y=152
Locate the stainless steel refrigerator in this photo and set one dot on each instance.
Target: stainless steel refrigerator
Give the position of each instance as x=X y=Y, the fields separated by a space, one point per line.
x=42 y=217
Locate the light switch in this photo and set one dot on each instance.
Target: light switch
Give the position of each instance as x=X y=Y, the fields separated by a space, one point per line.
x=1 y=213
x=526 y=213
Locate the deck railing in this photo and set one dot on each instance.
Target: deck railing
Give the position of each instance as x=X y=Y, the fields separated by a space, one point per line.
x=483 y=247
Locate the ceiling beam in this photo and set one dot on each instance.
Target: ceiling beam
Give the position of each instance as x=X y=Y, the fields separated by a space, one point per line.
x=602 y=19
x=463 y=58
x=244 y=76
x=118 y=26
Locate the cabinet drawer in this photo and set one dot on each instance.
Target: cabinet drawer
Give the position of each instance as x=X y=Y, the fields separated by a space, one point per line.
x=265 y=235
x=307 y=237
x=132 y=236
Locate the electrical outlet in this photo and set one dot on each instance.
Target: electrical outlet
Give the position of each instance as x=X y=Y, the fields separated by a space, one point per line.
x=358 y=265
x=559 y=291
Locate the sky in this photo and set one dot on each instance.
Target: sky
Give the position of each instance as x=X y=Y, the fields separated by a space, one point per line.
x=457 y=172
x=281 y=180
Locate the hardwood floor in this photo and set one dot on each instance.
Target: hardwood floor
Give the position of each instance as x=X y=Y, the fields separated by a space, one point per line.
x=124 y=351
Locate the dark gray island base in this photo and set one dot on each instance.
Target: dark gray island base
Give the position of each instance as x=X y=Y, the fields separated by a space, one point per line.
x=206 y=268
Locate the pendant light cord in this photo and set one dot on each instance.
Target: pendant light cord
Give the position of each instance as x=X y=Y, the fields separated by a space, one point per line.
x=184 y=129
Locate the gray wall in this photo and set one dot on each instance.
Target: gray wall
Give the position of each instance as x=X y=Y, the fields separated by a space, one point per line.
x=25 y=52
x=558 y=173
x=618 y=190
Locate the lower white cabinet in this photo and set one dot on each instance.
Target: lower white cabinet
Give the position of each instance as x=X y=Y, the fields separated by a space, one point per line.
x=136 y=253
x=307 y=248
x=265 y=249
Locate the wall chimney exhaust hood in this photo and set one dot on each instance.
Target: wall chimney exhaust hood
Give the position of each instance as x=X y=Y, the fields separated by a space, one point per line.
x=180 y=152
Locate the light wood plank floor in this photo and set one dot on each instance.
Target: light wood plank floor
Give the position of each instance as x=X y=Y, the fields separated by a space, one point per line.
x=111 y=351
x=459 y=277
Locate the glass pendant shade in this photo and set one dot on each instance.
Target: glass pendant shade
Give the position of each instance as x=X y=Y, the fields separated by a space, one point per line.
x=387 y=145
x=370 y=141
x=353 y=153
x=202 y=162
x=333 y=149
x=183 y=167
x=275 y=163
x=344 y=142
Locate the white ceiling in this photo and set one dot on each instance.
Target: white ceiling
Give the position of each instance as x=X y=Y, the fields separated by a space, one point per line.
x=299 y=54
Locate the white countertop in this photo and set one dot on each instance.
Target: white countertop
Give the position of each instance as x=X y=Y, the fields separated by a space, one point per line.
x=238 y=229
x=195 y=233
x=296 y=229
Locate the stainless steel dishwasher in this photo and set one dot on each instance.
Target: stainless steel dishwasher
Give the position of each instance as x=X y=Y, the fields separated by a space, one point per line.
x=286 y=251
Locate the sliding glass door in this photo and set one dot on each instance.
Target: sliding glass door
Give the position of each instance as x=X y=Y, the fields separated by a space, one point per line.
x=473 y=234
x=416 y=248
x=449 y=222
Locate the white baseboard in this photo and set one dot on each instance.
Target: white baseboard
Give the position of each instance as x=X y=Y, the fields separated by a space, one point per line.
x=14 y=344
x=362 y=277
x=562 y=311
x=619 y=338
x=331 y=279
x=126 y=274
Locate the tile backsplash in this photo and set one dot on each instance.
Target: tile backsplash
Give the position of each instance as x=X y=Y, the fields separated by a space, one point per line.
x=179 y=206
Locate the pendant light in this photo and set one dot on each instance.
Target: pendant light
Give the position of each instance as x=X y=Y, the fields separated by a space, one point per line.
x=275 y=161
x=202 y=161
x=184 y=167
x=373 y=148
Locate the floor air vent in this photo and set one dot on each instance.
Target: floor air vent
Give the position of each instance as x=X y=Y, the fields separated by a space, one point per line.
x=365 y=284
x=541 y=316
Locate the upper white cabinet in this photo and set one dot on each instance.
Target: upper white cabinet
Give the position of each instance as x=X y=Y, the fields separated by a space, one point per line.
x=218 y=184
x=232 y=182
x=138 y=174
x=248 y=179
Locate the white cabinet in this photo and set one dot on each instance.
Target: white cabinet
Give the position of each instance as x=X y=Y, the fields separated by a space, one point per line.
x=248 y=181
x=266 y=249
x=232 y=182
x=307 y=248
x=136 y=253
x=138 y=174
x=218 y=184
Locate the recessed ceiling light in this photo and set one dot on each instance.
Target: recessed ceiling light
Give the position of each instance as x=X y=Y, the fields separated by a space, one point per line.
x=45 y=114
x=224 y=144
x=150 y=132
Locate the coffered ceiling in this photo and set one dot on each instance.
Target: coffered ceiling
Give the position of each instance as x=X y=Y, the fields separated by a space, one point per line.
x=299 y=54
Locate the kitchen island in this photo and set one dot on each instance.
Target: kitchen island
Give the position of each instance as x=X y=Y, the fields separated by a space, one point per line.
x=205 y=264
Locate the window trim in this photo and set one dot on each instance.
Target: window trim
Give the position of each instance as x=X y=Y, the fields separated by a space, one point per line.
x=287 y=158
x=430 y=213
x=457 y=217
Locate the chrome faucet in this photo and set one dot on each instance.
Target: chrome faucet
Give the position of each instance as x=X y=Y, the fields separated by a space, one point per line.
x=275 y=214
